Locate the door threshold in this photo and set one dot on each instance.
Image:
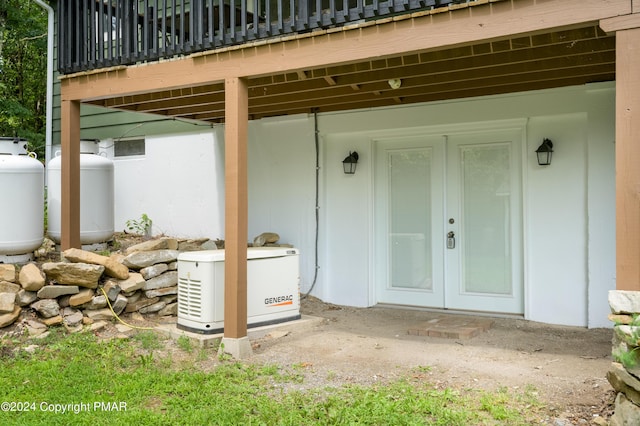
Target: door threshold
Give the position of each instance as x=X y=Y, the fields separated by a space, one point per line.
x=451 y=311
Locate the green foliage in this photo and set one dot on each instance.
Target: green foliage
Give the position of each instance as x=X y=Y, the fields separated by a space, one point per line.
x=23 y=63
x=148 y=340
x=423 y=368
x=497 y=404
x=202 y=355
x=222 y=355
x=141 y=226
x=115 y=244
x=630 y=358
x=628 y=354
x=184 y=343
x=146 y=360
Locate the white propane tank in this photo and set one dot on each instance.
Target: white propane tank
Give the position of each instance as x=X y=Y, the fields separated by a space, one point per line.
x=96 y=195
x=22 y=195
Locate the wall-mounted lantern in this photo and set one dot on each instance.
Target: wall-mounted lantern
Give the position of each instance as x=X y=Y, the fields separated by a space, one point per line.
x=349 y=163
x=544 y=152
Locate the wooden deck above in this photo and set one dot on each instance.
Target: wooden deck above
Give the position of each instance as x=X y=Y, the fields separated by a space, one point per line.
x=473 y=49
x=555 y=59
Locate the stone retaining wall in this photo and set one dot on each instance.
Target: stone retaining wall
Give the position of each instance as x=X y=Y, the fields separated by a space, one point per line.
x=86 y=287
x=624 y=374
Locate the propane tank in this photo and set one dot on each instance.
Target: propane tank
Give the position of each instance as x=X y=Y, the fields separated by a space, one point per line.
x=96 y=195
x=22 y=195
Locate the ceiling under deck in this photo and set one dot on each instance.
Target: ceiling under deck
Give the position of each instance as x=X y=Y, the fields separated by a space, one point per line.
x=563 y=58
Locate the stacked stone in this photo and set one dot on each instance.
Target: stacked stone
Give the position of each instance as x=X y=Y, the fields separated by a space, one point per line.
x=87 y=287
x=153 y=286
x=624 y=376
x=59 y=291
x=9 y=309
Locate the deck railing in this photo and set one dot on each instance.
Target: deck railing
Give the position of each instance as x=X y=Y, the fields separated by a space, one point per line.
x=102 y=33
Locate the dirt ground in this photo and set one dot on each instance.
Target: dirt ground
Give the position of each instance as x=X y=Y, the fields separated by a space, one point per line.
x=565 y=366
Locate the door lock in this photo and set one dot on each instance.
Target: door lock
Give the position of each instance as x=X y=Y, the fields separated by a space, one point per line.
x=451 y=240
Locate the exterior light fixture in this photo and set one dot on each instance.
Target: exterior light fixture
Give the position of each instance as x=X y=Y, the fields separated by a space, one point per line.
x=544 y=152
x=349 y=163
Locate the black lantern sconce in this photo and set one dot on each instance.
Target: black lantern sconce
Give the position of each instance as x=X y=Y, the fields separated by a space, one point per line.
x=544 y=152
x=349 y=163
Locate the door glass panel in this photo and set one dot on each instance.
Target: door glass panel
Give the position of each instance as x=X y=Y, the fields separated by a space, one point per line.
x=409 y=239
x=486 y=236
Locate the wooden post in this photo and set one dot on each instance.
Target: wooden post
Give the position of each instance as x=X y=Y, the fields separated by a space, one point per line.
x=70 y=175
x=628 y=159
x=235 y=274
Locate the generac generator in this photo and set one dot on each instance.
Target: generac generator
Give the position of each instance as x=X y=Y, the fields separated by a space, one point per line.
x=273 y=288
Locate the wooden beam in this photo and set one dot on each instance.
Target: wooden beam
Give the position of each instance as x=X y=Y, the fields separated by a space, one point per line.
x=70 y=175
x=620 y=23
x=167 y=105
x=236 y=208
x=155 y=97
x=330 y=80
x=627 y=160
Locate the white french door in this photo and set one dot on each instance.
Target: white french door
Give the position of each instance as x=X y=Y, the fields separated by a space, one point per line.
x=409 y=208
x=484 y=215
x=448 y=221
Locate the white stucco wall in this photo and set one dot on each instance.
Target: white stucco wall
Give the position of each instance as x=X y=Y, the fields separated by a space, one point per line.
x=601 y=203
x=178 y=183
x=281 y=173
x=568 y=207
x=557 y=222
x=569 y=243
x=347 y=218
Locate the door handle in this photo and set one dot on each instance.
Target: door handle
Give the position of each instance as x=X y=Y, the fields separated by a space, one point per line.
x=451 y=240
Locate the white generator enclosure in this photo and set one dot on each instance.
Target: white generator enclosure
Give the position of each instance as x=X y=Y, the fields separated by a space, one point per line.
x=273 y=288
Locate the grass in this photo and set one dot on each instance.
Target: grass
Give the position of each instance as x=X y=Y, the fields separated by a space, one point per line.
x=120 y=382
x=185 y=344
